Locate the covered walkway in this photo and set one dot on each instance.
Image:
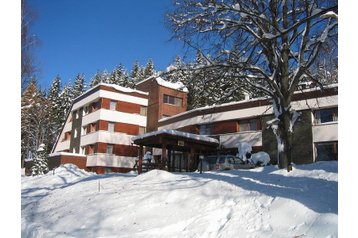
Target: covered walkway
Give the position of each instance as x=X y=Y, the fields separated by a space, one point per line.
x=179 y=150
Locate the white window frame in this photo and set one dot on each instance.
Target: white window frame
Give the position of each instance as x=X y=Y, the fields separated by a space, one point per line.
x=110 y=150
x=112 y=104
x=112 y=126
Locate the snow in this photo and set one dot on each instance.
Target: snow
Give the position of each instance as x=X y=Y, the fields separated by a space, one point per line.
x=124 y=89
x=177 y=133
x=177 y=86
x=262 y=202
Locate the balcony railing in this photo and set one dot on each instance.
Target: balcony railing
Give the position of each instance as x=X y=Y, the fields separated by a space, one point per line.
x=110 y=160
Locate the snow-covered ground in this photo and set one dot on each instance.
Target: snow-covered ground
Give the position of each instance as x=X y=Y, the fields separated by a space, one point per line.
x=262 y=202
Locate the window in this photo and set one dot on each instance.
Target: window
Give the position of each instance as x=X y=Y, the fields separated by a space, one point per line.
x=85 y=110
x=327 y=151
x=111 y=126
x=326 y=115
x=143 y=111
x=91 y=149
x=172 y=100
x=205 y=129
x=75 y=133
x=112 y=105
x=67 y=136
x=74 y=115
x=93 y=127
x=94 y=106
x=248 y=125
x=84 y=130
x=142 y=130
x=178 y=102
x=83 y=150
x=109 y=149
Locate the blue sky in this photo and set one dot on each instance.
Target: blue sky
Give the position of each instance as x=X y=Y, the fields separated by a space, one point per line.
x=79 y=36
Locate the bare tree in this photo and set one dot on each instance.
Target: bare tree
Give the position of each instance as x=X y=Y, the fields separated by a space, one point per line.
x=267 y=46
x=28 y=42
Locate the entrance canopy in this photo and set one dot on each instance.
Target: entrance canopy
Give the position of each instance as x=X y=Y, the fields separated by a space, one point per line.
x=176 y=140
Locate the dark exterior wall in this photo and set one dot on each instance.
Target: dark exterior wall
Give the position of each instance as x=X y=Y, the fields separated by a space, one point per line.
x=76 y=125
x=302 y=151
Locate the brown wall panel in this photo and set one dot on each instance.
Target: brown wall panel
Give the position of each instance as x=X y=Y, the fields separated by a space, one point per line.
x=224 y=127
x=128 y=107
x=103 y=125
x=126 y=128
x=101 y=147
x=105 y=103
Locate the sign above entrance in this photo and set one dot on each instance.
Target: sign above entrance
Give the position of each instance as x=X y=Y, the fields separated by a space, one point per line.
x=180 y=143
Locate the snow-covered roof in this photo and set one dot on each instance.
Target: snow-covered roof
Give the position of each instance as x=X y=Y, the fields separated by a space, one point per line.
x=177 y=133
x=124 y=89
x=117 y=87
x=177 y=86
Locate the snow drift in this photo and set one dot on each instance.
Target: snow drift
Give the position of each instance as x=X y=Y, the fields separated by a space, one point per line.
x=262 y=202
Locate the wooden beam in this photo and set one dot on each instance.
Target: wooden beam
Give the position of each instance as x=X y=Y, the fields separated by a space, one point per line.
x=140 y=157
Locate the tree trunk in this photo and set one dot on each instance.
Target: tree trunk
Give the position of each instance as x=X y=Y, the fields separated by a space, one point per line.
x=284 y=140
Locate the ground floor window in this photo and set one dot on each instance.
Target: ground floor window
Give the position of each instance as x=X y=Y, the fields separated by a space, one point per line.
x=327 y=151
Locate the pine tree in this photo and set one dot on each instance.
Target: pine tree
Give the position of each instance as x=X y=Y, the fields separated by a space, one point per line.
x=149 y=69
x=66 y=98
x=97 y=78
x=55 y=113
x=40 y=165
x=119 y=76
x=79 y=86
x=106 y=77
x=35 y=127
x=136 y=75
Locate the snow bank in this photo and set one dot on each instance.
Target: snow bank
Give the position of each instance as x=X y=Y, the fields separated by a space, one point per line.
x=262 y=202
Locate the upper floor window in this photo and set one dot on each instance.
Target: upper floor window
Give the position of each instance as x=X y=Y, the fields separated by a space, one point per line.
x=111 y=126
x=93 y=127
x=84 y=130
x=83 y=150
x=172 y=100
x=85 y=110
x=112 y=105
x=91 y=149
x=143 y=110
x=205 y=129
x=326 y=115
x=74 y=115
x=249 y=125
x=94 y=106
x=75 y=133
x=109 y=149
x=142 y=130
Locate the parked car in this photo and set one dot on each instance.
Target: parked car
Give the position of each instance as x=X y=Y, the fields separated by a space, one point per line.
x=227 y=162
x=223 y=162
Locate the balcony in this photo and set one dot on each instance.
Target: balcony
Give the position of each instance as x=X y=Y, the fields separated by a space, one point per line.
x=110 y=160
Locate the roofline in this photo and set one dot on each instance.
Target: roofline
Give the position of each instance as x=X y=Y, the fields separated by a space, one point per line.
x=255 y=102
